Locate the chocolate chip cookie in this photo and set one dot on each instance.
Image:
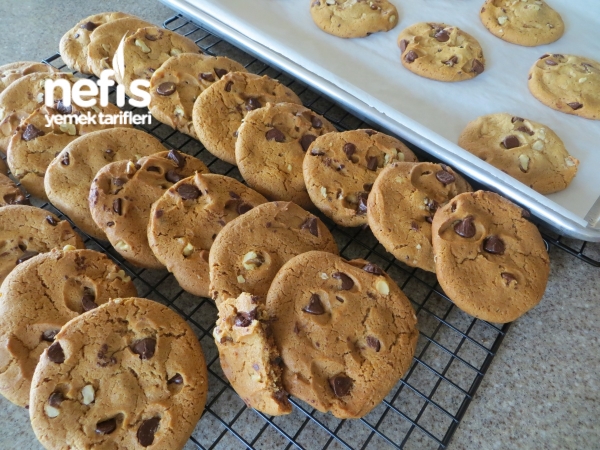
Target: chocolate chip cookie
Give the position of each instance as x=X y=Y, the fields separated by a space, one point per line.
x=440 y=52
x=122 y=195
x=70 y=174
x=188 y=217
x=489 y=259
x=567 y=83
x=352 y=18
x=26 y=231
x=340 y=169
x=9 y=73
x=523 y=22
x=10 y=194
x=248 y=252
x=345 y=330
x=271 y=146
x=38 y=297
x=220 y=109
x=248 y=354
x=402 y=204
x=128 y=374
x=526 y=150
x=176 y=85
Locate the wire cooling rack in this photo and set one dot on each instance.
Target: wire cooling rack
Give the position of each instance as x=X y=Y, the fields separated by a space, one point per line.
x=453 y=353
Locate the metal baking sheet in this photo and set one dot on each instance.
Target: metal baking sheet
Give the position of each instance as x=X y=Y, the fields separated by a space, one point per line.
x=366 y=76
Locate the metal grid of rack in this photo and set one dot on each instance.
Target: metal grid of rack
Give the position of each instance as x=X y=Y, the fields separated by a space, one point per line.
x=453 y=353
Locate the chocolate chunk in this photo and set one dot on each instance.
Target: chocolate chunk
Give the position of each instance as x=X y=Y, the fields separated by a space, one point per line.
x=373 y=268
x=167 y=88
x=370 y=132
x=275 y=135
x=511 y=141
x=89 y=26
x=317 y=152
x=314 y=306
x=243 y=208
x=411 y=56
x=146 y=431
x=28 y=254
x=341 y=385
x=525 y=214
x=524 y=129
x=103 y=360
x=374 y=343
x=339 y=299
x=575 y=105
x=49 y=335
x=545 y=55
x=172 y=176
x=112 y=224
x=118 y=206
x=508 y=277
x=16 y=199
x=119 y=181
x=361 y=208
x=65 y=159
x=243 y=319
x=493 y=244
x=414 y=226
x=62 y=109
x=372 y=163
x=144 y=347
x=228 y=86
x=368 y=186
x=442 y=36
x=31 y=132
x=307 y=140
x=51 y=220
x=152 y=37
x=176 y=157
x=188 y=192
x=106 y=426
x=234 y=195
x=56 y=354
x=428 y=219
x=347 y=282
x=445 y=177
x=349 y=150
x=403 y=45
x=55 y=399
x=477 y=67
x=551 y=62
x=175 y=379
x=221 y=72
x=207 y=76
x=517 y=119
x=452 y=61
x=466 y=227
x=311 y=225
x=316 y=122
x=87 y=301
x=252 y=104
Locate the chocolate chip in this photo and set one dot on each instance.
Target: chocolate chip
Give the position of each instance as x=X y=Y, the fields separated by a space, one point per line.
x=347 y=282
x=172 y=176
x=175 y=379
x=165 y=89
x=31 y=132
x=207 y=76
x=89 y=26
x=311 y=225
x=575 y=105
x=119 y=181
x=442 y=36
x=110 y=224
x=411 y=56
x=370 y=132
x=477 y=67
x=403 y=45
x=55 y=399
x=87 y=301
x=228 y=86
x=452 y=61
x=551 y=62
x=525 y=214
x=361 y=208
x=15 y=199
x=339 y=299
x=372 y=163
x=314 y=306
x=317 y=152
x=243 y=208
x=275 y=135
x=373 y=268
x=493 y=244
x=316 y=122
x=51 y=220
x=188 y=192
x=118 y=206
x=508 y=277
x=445 y=177
x=349 y=150
x=28 y=254
x=341 y=385
x=176 y=157
x=221 y=72
x=62 y=109
x=374 y=343
x=428 y=219
x=234 y=195
x=56 y=354
x=252 y=104
x=106 y=426
x=516 y=119
x=146 y=431
x=368 y=186
x=152 y=37
x=511 y=141
x=414 y=226
x=524 y=129
x=144 y=347
x=307 y=140
x=49 y=335
x=465 y=228
x=65 y=159
x=243 y=319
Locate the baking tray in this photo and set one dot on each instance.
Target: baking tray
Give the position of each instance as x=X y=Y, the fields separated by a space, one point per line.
x=582 y=225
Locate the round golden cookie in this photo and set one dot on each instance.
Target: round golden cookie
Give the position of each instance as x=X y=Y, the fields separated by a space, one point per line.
x=401 y=206
x=38 y=297
x=489 y=259
x=271 y=146
x=176 y=85
x=9 y=73
x=70 y=174
x=441 y=52
x=248 y=252
x=526 y=150
x=129 y=374
x=220 y=109
x=567 y=83
x=345 y=330
x=524 y=22
x=340 y=169
x=73 y=45
x=352 y=18
x=10 y=194
x=185 y=221
x=122 y=195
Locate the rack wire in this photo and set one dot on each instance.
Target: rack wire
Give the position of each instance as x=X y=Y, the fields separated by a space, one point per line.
x=454 y=350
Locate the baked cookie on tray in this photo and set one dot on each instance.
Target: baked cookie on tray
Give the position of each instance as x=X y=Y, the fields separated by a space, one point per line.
x=401 y=206
x=176 y=85
x=523 y=22
x=9 y=73
x=526 y=150
x=38 y=297
x=345 y=331
x=353 y=19
x=186 y=220
x=128 y=374
x=220 y=109
x=567 y=83
x=248 y=354
x=10 y=194
x=122 y=195
x=340 y=169
x=271 y=146
x=441 y=52
x=489 y=259
x=248 y=252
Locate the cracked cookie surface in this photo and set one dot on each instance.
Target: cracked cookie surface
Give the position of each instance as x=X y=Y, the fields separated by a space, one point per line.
x=526 y=150
x=489 y=259
x=38 y=297
x=128 y=374
x=10 y=194
x=402 y=204
x=9 y=73
x=345 y=330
